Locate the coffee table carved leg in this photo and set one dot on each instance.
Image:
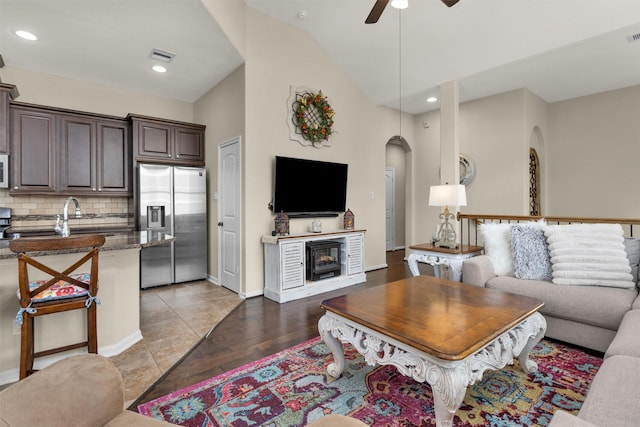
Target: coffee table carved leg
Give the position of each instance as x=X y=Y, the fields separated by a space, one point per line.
x=449 y=387
x=329 y=332
x=538 y=326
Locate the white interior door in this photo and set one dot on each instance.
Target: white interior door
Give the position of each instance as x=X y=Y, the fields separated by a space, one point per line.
x=229 y=215
x=390 y=204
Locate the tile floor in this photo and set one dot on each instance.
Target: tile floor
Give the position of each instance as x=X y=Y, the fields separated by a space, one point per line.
x=172 y=320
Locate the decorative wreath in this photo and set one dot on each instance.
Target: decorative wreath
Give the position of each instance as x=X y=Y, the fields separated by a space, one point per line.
x=313 y=116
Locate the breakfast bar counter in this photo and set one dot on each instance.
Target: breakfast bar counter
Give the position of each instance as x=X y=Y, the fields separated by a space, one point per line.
x=118 y=313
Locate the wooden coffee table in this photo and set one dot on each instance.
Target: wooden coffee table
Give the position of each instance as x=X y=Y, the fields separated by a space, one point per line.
x=442 y=332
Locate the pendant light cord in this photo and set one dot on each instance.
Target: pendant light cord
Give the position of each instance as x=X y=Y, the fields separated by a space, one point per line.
x=400 y=67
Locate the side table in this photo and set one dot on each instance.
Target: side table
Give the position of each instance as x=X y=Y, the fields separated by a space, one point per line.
x=436 y=256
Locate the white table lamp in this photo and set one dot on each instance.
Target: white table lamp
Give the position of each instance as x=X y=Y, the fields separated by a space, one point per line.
x=447 y=195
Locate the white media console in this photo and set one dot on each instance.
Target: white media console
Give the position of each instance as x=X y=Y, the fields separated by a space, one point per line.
x=285 y=268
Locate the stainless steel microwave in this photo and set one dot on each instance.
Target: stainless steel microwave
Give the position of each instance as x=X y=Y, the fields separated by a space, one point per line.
x=4 y=171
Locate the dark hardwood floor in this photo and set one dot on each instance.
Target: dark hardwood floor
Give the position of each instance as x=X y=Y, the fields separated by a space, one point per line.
x=260 y=327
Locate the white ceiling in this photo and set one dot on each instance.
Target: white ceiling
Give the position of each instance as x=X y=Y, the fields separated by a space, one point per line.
x=559 y=49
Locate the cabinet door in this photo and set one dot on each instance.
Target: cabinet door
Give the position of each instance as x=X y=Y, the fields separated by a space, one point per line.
x=154 y=140
x=33 y=151
x=189 y=144
x=355 y=254
x=78 y=154
x=114 y=165
x=292 y=264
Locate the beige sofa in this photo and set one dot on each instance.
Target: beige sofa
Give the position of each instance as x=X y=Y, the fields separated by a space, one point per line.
x=605 y=319
x=86 y=390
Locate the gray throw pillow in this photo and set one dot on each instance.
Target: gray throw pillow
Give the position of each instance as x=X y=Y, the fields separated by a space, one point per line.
x=530 y=253
x=632 y=248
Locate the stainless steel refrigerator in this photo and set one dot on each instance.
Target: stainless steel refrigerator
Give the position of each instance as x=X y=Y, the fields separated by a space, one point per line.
x=173 y=200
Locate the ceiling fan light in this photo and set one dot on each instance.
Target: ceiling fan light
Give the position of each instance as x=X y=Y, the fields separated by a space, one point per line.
x=400 y=4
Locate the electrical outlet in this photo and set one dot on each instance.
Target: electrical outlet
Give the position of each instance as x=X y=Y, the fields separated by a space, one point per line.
x=372 y=195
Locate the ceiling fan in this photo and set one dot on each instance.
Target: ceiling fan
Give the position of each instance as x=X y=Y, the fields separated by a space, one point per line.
x=379 y=6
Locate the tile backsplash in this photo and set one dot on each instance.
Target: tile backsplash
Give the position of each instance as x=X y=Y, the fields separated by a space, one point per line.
x=40 y=211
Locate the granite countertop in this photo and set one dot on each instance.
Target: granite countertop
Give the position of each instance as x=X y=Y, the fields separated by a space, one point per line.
x=113 y=242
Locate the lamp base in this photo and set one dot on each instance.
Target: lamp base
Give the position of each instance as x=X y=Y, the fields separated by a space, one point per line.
x=450 y=245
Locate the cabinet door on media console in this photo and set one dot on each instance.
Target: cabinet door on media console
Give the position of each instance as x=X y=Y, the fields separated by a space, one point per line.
x=355 y=254
x=292 y=264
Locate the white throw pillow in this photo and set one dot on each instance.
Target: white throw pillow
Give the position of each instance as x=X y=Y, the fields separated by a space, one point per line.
x=589 y=255
x=497 y=246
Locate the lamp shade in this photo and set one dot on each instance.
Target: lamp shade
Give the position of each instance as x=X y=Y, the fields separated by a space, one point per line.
x=447 y=195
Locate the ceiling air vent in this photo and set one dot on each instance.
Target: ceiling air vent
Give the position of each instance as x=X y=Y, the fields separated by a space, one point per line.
x=161 y=55
x=633 y=37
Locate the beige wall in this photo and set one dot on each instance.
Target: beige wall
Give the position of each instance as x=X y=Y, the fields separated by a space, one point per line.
x=62 y=92
x=222 y=110
x=494 y=132
x=362 y=130
x=594 y=155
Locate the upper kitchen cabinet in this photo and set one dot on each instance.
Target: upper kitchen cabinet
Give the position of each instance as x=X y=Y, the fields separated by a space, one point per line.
x=95 y=156
x=33 y=151
x=166 y=141
x=69 y=153
x=7 y=94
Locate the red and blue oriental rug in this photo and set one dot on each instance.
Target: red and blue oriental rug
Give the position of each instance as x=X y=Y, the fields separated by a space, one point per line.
x=292 y=388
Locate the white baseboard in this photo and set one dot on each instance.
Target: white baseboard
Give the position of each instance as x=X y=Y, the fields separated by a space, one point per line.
x=213 y=279
x=376 y=267
x=12 y=375
x=246 y=295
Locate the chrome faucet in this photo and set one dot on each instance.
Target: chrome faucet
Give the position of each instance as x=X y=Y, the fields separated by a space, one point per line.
x=65 y=232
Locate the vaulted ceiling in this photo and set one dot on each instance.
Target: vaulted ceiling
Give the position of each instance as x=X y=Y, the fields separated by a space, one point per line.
x=557 y=49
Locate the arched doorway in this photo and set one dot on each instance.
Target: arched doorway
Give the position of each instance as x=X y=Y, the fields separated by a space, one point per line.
x=396 y=184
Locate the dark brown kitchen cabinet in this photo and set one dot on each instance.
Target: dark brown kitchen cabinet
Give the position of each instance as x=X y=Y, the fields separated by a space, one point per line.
x=34 y=151
x=69 y=153
x=7 y=93
x=95 y=156
x=166 y=141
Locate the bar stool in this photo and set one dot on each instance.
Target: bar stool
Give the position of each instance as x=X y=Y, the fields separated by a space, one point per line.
x=65 y=290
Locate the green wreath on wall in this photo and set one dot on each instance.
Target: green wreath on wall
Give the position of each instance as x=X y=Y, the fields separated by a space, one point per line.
x=313 y=116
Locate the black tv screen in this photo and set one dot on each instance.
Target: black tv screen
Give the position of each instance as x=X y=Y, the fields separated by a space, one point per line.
x=309 y=187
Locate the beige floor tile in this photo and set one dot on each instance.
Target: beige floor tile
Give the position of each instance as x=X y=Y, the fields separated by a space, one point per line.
x=172 y=320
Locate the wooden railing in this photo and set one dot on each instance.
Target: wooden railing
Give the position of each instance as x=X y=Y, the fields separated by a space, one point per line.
x=469 y=223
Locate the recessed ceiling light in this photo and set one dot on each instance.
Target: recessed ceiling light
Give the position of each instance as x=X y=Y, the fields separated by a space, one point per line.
x=159 y=69
x=26 y=35
x=432 y=99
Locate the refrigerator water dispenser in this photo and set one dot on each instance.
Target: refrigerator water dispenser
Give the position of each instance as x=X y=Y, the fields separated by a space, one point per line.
x=155 y=217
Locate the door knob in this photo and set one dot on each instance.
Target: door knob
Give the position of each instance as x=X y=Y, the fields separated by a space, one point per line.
x=220 y=224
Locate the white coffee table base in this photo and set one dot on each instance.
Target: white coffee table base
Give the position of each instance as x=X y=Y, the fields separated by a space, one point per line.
x=448 y=379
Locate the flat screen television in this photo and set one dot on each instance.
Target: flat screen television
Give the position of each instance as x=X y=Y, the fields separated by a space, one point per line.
x=309 y=188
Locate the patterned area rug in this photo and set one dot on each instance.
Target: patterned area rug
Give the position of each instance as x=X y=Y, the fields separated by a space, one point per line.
x=292 y=388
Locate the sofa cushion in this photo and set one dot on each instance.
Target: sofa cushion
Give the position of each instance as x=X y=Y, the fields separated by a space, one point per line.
x=627 y=340
x=589 y=255
x=565 y=419
x=530 y=253
x=612 y=399
x=592 y=305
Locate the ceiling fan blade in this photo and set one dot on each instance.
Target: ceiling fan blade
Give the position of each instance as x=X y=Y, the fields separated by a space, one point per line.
x=450 y=2
x=376 y=11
